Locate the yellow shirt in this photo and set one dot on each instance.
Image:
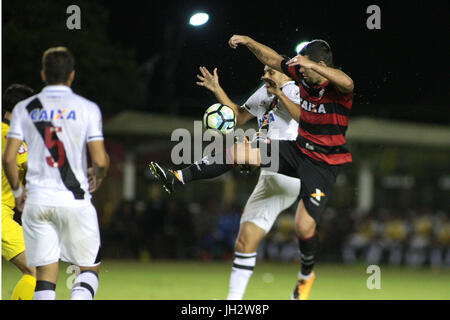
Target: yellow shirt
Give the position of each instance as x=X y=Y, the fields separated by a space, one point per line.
x=7 y=195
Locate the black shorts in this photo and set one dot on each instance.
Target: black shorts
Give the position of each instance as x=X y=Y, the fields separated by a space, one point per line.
x=317 y=178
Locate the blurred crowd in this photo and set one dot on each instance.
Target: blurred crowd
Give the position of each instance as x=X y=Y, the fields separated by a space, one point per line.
x=169 y=228
x=414 y=238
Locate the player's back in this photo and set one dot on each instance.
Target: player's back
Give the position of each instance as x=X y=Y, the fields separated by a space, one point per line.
x=56 y=125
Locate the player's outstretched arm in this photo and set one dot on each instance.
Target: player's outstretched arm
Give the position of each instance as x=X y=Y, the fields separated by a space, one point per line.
x=339 y=78
x=266 y=55
x=211 y=82
x=293 y=108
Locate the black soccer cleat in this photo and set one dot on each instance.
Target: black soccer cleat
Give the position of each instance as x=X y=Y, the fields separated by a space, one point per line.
x=168 y=178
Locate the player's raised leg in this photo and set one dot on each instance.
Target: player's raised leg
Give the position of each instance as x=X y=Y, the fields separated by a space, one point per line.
x=206 y=168
x=308 y=240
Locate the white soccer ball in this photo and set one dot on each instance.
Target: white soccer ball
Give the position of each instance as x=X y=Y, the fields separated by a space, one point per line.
x=219 y=117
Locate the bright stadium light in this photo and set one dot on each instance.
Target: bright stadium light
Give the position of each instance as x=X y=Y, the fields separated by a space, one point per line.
x=300 y=46
x=199 y=19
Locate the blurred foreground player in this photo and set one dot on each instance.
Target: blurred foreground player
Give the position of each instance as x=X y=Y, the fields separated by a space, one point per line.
x=59 y=220
x=13 y=244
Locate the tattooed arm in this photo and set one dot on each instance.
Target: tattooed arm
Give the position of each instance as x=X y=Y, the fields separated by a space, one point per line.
x=264 y=54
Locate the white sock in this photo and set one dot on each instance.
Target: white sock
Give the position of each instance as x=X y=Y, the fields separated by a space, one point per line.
x=44 y=295
x=85 y=286
x=304 y=277
x=243 y=265
x=44 y=290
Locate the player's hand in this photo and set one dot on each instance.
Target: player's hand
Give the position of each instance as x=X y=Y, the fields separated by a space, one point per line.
x=272 y=87
x=20 y=201
x=302 y=61
x=236 y=40
x=94 y=181
x=208 y=80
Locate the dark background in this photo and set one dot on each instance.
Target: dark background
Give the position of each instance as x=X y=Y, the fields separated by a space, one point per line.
x=144 y=55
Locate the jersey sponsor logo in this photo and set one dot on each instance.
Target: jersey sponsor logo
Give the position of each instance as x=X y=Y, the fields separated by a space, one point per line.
x=316 y=197
x=311 y=107
x=48 y=115
x=266 y=119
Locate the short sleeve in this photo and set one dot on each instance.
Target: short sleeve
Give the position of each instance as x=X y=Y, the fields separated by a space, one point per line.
x=95 y=125
x=292 y=91
x=252 y=103
x=16 y=126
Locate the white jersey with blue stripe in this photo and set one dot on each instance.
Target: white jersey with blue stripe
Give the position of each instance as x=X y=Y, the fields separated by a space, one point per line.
x=280 y=123
x=57 y=124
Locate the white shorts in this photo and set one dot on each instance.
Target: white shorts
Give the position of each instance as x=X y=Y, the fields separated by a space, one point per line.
x=273 y=194
x=67 y=233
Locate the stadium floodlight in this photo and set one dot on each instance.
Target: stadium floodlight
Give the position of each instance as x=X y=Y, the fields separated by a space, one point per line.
x=198 y=19
x=300 y=46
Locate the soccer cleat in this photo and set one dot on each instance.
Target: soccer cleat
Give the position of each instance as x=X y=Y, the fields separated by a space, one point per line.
x=168 y=178
x=303 y=288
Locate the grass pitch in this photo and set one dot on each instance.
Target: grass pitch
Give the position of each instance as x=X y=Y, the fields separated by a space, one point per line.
x=196 y=280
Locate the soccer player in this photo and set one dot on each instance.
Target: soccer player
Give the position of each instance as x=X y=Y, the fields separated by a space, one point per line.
x=59 y=220
x=326 y=97
x=273 y=192
x=13 y=245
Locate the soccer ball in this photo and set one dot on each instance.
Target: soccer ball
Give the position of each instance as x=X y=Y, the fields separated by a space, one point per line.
x=219 y=117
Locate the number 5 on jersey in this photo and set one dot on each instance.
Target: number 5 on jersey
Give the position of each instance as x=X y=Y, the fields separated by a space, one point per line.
x=51 y=142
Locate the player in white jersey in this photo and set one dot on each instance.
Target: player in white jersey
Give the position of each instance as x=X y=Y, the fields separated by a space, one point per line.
x=273 y=192
x=59 y=220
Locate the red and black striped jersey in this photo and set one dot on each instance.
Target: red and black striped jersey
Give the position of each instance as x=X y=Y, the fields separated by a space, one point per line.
x=323 y=119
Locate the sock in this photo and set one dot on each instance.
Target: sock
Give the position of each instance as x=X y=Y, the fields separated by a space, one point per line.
x=243 y=265
x=44 y=290
x=85 y=286
x=24 y=289
x=309 y=248
x=207 y=168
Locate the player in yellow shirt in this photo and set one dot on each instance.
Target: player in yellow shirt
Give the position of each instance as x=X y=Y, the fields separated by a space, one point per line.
x=13 y=245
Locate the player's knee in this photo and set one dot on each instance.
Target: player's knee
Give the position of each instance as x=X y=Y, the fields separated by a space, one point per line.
x=305 y=230
x=244 y=245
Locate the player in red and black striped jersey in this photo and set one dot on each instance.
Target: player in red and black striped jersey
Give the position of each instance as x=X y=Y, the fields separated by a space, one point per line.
x=314 y=157
x=326 y=97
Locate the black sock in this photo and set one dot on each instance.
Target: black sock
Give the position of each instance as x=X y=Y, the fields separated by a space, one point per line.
x=309 y=249
x=207 y=168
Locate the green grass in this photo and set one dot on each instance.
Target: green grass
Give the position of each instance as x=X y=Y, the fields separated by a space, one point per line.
x=181 y=280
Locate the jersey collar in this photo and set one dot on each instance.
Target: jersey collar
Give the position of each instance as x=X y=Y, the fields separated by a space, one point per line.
x=57 y=88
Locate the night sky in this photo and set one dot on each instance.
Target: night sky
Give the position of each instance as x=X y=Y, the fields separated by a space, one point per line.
x=400 y=71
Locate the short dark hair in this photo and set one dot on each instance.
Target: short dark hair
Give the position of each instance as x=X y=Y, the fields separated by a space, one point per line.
x=285 y=57
x=318 y=50
x=13 y=94
x=57 y=64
